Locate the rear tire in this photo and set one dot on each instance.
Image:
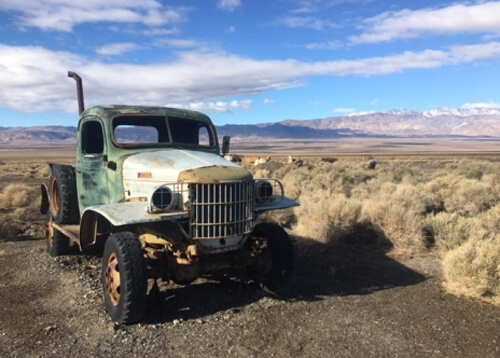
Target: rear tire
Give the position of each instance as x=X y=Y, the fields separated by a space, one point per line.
x=63 y=198
x=277 y=267
x=124 y=278
x=58 y=244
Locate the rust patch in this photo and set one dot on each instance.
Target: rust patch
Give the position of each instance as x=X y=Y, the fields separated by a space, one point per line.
x=214 y=175
x=136 y=199
x=144 y=175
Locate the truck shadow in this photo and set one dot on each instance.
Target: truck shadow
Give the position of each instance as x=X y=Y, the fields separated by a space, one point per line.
x=321 y=270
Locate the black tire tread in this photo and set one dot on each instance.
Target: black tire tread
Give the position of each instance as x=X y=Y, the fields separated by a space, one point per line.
x=69 y=212
x=60 y=244
x=133 y=276
x=282 y=253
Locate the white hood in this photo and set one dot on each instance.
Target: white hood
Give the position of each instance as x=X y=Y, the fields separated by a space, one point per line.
x=166 y=165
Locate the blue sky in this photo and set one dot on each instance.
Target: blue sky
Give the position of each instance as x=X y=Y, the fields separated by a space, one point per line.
x=247 y=61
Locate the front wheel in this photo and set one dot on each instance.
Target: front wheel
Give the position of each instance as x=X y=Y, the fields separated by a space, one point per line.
x=276 y=262
x=124 y=278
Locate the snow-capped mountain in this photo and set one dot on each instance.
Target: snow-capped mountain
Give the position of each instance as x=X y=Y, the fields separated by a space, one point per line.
x=470 y=122
x=473 y=122
x=462 y=112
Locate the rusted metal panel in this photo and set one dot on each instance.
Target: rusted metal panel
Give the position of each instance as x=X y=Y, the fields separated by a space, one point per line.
x=214 y=174
x=71 y=231
x=216 y=246
x=44 y=205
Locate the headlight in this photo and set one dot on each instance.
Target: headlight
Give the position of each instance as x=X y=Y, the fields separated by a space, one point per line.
x=161 y=199
x=263 y=190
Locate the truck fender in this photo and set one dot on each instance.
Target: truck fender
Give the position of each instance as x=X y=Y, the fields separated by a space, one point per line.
x=103 y=219
x=44 y=205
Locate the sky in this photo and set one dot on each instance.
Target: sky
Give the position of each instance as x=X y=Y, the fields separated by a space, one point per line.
x=247 y=61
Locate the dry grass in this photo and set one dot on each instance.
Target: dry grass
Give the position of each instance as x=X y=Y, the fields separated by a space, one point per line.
x=18 y=195
x=17 y=203
x=451 y=207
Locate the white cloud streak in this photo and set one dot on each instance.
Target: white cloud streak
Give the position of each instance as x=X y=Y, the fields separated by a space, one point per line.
x=229 y=5
x=215 y=107
x=192 y=77
x=310 y=6
x=454 y=19
x=161 y=31
x=344 y=110
x=268 y=101
x=63 y=15
x=179 y=43
x=481 y=105
x=329 y=45
x=116 y=49
x=308 y=22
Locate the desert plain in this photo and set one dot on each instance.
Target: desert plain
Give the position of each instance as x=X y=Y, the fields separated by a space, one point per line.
x=400 y=260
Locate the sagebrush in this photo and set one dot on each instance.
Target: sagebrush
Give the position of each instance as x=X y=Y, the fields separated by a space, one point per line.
x=451 y=208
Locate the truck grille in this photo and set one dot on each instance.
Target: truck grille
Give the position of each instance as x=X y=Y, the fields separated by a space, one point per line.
x=221 y=210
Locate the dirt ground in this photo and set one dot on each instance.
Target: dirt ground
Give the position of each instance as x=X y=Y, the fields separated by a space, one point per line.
x=345 y=302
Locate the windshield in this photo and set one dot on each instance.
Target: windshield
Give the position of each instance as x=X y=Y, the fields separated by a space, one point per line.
x=140 y=131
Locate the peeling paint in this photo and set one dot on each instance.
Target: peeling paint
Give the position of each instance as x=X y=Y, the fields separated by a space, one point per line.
x=214 y=175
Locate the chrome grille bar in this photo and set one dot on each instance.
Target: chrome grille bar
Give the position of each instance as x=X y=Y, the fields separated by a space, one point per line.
x=221 y=210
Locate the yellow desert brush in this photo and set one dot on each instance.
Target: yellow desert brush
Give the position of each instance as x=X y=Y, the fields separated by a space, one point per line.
x=18 y=195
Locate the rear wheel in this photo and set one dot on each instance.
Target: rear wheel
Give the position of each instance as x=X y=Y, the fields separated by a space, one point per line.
x=62 y=208
x=57 y=243
x=63 y=198
x=276 y=262
x=124 y=278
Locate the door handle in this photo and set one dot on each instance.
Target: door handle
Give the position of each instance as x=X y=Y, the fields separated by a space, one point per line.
x=111 y=165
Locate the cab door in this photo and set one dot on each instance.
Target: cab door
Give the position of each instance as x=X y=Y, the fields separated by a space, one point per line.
x=91 y=171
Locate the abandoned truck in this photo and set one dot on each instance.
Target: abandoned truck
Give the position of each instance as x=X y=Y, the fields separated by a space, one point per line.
x=151 y=193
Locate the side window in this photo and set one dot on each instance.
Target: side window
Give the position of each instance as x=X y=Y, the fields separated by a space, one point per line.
x=203 y=137
x=190 y=131
x=92 y=138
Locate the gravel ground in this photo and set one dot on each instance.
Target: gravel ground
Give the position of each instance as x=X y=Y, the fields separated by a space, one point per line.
x=346 y=302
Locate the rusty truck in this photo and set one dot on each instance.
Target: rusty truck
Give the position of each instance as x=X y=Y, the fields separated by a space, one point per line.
x=151 y=192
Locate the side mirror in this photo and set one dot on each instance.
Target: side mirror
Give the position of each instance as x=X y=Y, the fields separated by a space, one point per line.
x=225 y=144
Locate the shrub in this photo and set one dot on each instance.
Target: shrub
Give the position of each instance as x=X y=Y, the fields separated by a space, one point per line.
x=475 y=169
x=326 y=219
x=473 y=269
x=397 y=211
x=18 y=195
x=456 y=209
x=449 y=231
x=19 y=214
x=7 y=227
x=404 y=228
x=44 y=172
x=397 y=172
x=262 y=174
x=468 y=197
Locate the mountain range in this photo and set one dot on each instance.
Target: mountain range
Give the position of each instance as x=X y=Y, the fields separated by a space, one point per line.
x=443 y=122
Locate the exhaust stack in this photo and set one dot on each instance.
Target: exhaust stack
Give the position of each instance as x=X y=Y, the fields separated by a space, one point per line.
x=79 y=90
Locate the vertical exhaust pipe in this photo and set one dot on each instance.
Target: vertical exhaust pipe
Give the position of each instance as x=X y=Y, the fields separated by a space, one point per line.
x=79 y=90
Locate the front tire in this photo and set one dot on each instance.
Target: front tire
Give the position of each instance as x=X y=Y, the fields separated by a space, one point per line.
x=276 y=266
x=124 y=278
